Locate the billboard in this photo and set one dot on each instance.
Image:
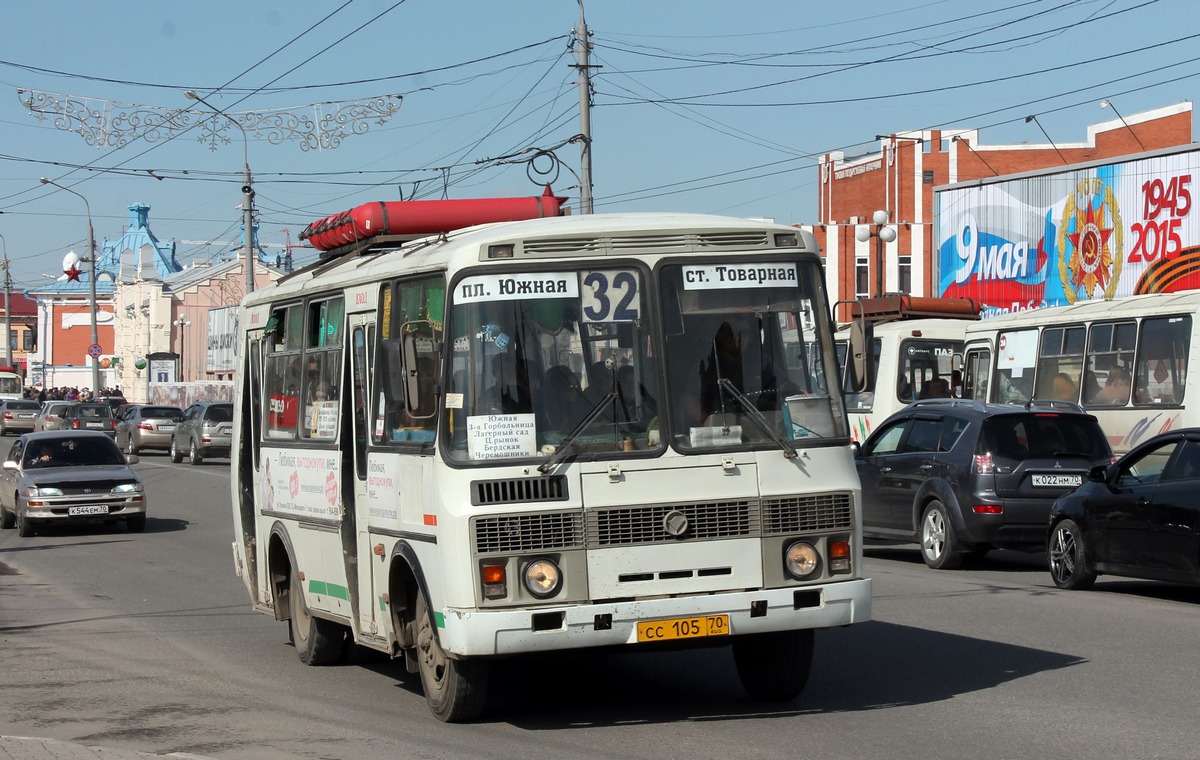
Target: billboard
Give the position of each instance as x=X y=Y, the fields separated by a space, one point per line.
x=1090 y=232
x=221 y=349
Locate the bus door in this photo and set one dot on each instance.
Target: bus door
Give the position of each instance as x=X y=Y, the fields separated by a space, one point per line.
x=977 y=368
x=360 y=341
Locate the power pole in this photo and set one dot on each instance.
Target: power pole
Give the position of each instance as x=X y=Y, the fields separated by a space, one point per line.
x=585 y=115
x=8 y=361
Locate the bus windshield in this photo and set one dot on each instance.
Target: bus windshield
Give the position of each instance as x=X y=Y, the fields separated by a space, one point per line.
x=540 y=360
x=742 y=349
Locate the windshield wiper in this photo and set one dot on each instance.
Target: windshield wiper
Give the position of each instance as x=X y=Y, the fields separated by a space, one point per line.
x=561 y=451
x=789 y=451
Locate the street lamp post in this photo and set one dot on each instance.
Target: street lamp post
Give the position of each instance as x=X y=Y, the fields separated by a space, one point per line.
x=91 y=281
x=882 y=234
x=181 y=323
x=247 y=191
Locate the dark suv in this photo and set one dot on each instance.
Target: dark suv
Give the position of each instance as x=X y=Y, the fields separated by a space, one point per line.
x=962 y=477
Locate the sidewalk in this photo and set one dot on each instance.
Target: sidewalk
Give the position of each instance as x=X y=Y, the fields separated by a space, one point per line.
x=29 y=748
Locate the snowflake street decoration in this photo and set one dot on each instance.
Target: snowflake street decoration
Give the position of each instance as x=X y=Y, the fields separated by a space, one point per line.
x=113 y=124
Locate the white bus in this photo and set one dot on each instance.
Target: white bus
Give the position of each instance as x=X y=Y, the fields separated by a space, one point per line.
x=917 y=348
x=1124 y=360
x=553 y=434
x=12 y=386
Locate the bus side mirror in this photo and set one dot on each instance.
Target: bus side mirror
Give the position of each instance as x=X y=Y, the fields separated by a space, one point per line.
x=859 y=364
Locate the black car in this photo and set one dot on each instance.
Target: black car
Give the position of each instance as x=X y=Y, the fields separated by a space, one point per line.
x=1138 y=517
x=962 y=477
x=90 y=415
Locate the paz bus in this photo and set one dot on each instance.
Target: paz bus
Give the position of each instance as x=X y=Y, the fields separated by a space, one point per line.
x=917 y=349
x=12 y=386
x=546 y=432
x=1125 y=360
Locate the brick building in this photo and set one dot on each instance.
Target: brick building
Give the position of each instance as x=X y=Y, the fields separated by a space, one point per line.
x=900 y=179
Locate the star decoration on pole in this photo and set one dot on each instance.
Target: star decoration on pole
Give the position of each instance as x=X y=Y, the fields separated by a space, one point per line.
x=73 y=273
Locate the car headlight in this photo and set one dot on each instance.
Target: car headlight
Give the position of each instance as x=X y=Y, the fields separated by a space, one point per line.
x=542 y=578
x=128 y=488
x=35 y=491
x=801 y=560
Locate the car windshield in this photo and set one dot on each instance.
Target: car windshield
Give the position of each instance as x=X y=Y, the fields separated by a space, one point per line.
x=160 y=412
x=73 y=452
x=93 y=411
x=219 y=414
x=1044 y=436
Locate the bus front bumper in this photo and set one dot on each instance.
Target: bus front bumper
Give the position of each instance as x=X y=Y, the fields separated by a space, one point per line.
x=471 y=633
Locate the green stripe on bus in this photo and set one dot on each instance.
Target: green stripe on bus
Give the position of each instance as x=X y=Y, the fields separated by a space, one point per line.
x=439 y=620
x=321 y=588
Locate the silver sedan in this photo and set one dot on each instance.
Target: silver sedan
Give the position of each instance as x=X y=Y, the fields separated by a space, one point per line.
x=69 y=476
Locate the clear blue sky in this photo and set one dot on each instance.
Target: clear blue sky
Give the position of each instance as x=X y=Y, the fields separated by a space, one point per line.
x=707 y=106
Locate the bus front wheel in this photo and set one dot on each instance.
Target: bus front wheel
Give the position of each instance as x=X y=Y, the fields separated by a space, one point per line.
x=317 y=641
x=774 y=667
x=455 y=689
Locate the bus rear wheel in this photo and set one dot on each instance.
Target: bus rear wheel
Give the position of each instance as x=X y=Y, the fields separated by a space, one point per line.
x=774 y=667
x=455 y=689
x=318 y=641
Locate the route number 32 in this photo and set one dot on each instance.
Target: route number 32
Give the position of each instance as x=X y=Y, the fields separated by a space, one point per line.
x=611 y=296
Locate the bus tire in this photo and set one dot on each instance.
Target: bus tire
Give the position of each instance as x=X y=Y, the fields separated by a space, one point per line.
x=774 y=667
x=456 y=690
x=317 y=641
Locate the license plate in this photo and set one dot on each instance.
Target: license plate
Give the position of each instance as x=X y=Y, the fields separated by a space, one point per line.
x=683 y=628
x=165 y=428
x=1059 y=481
x=224 y=430
x=93 y=509
x=95 y=424
x=25 y=416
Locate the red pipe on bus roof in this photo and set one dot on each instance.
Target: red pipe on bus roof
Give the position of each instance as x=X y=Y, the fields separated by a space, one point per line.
x=417 y=218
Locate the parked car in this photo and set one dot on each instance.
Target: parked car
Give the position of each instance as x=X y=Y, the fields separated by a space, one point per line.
x=962 y=477
x=1138 y=517
x=89 y=415
x=49 y=417
x=18 y=415
x=68 y=476
x=146 y=426
x=206 y=430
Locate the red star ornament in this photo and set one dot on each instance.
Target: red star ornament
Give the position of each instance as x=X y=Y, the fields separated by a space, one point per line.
x=73 y=273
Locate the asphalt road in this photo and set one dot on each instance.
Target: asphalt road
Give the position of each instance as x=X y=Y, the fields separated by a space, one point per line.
x=147 y=641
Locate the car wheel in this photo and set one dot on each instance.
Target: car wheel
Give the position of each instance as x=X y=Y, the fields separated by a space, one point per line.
x=176 y=457
x=456 y=690
x=194 y=455
x=939 y=546
x=1067 y=553
x=317 y=641
x=7 y=519
x=136 y=523
x=24 y=527
x=774 y=667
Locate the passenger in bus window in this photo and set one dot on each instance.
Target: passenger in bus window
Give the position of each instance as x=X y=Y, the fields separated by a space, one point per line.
x=935 y=387
x=1064 y=388
x=905 y=390
x=956 y=379
x=1116 y=387
x=1091 y=387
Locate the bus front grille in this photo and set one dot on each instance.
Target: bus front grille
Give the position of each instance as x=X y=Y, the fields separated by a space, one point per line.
x=797 y=514
x=513 y=490
x=630 y=526
x=510 y=534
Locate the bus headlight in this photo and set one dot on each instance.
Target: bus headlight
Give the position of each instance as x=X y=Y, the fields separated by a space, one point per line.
x=542 y=578
x=801 y=560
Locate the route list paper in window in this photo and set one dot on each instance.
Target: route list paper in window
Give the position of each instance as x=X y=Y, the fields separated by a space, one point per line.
x=501 y=436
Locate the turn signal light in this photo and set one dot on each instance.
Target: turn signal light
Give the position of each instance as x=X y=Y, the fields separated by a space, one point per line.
x=839 y=556
x=983 y=464
x=495 y=581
